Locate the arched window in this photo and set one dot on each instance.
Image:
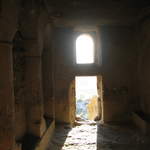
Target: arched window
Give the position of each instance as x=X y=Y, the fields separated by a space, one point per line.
x=84 y=49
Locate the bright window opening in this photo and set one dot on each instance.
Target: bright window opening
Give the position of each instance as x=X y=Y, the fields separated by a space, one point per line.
x=84 y=49
x=86 y=97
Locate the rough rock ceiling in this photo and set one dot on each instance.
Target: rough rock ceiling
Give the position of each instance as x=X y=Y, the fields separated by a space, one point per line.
x=96 y=11
x=92 y=4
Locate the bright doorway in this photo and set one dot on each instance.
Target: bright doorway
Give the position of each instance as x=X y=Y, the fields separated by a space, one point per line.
x=86 y=97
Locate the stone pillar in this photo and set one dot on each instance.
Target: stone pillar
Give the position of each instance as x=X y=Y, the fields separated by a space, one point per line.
x=47 y=69
x=34 y=91
x=7 y=139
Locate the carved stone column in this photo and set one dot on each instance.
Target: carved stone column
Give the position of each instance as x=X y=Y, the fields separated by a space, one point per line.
x=34 y=90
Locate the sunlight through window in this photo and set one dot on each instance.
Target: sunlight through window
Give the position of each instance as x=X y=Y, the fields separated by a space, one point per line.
x=84 y=49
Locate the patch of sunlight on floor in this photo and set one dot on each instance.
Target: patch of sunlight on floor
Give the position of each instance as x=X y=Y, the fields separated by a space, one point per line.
x=82 y=137
x=91 y=136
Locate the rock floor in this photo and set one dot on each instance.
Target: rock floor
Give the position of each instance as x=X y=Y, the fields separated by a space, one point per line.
x=98 y=137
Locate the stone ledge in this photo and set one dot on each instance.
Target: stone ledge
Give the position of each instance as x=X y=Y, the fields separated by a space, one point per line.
x=31 y=142
x=141 y=123
x=43 y=144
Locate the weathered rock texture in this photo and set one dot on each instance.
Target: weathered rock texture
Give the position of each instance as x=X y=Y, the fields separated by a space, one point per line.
x=118 y=71
x=92 y=108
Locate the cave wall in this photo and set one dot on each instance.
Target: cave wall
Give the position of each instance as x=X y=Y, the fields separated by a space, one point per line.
x=22 y=41
x=9 y=11
x=118 y=70
x=47 y=72
x=40 y=74
x=143 y=33
x=119 y=67
x=63 y=73
x=19 y=91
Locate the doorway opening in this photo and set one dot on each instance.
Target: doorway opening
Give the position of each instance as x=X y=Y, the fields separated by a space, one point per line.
x=86 y=97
